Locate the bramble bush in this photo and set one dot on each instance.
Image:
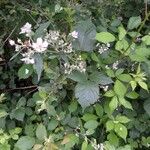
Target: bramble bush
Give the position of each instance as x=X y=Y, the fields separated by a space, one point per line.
x=75 y=75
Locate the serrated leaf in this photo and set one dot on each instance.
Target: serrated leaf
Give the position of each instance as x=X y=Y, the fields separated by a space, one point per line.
x=86 y=117
x=122 y=119
x=18 y=114
x=100 y=78
x=120 y=88
x=125 y=77
x=73 y=106
x=87 y=93
x=86 y=36
x=105 y=37
x=91 y=124
x=121 y=45
x=52 y=124
x=122 y=32
x=134 y=22
x=146 y=39
x=125 y=103
x=113 y=103
x=78 y=76
x=110 y=125
x=41 y=132
x=133 y=84
x=132 y=95
x=121 y=130
x=38 y=65
x=143 y=85
x=113 y=139
x=99 y=110
x=110 y=93
x=25 y=143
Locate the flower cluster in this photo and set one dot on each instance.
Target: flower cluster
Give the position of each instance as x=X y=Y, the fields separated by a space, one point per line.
x=79 y=65
x=115 y=65
x=60 y=42
x=103 y=47
x=28 y=48
x=105 y=88
x=52 y=39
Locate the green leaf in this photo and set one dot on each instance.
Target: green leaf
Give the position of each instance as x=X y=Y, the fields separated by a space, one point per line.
x=100 y=78
x=147 y=106
x=121 y=45
x=25 y=71
x=41 y=30
x=146 y=39
x=105 y=37
x=38 y=65
x=125 y=77
x=73 y=106
x=86 y=36
x=113 y=103
x=119 y=71
x=21 y=102
x=121 y=130
x=134 y=22
x=52 y=124
x=120 y=88
x=18 y=114
x=84 y=145
x=110 y=93
x=132 y=95
x=122 y=119
x=125 y=103
x=89 y=116
x=110 y=125
x=78 y=76
x=122 y=32
x=133 y=84
x=3 y=113
x=140 y=54
x=91 y=124
x=41 y=132
x=87 y=93
x=143 y=85
x=25 y=143
x=113 y=139
x=99 y=110
x=50 y=109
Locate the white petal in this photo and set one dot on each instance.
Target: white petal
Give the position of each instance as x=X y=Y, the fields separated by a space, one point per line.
x=45 y=44
x=11 y=42
x=39 y=41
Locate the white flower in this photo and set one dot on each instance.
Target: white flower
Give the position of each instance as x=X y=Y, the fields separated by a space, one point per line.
x=19 y=41
x=40 y=45
x=115 y=65
x=74 y=34
x=28 y=60
x=11 y=42
x=26 y=29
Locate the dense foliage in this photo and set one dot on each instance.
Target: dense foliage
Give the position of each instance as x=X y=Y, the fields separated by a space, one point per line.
x=74 y=75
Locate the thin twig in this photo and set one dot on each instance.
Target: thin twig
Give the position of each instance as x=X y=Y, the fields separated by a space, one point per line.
x=19 y=88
